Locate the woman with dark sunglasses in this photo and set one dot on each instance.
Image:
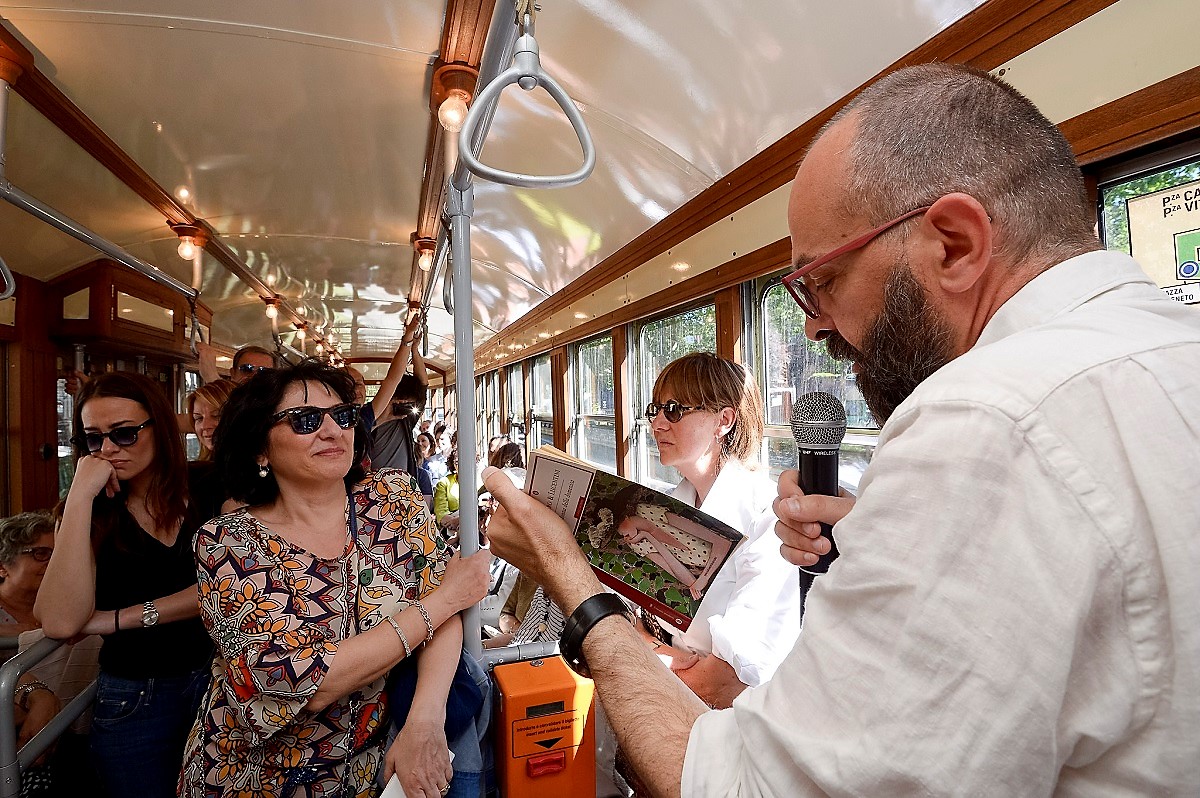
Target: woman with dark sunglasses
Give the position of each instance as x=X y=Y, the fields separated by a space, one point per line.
x=313 y=591
x=123 y=567
x=707 y=419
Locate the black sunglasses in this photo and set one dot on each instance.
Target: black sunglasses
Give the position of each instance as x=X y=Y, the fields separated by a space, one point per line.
x=671 y=409
x=39 y=553
x=306 y=420
x=121 y=436
x=247 y=368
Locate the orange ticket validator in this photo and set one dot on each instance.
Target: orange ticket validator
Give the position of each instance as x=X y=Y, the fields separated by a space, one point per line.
x=545 y=731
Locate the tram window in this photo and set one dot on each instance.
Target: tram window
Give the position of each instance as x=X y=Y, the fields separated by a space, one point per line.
x=659 y=342
x=191 y=443
x=515 y=389
x=1155 y=217
x=541 y=389
x=66 y=454
x=594 y=436
x=487 y=407
x=792 y=365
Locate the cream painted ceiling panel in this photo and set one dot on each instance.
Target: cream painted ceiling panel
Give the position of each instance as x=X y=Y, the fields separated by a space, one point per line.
x=675 y=99
x=44 y=163
x=316 y=143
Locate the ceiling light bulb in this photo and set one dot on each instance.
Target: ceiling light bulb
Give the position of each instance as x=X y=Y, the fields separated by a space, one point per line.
x=272 y=311
x=320 y=349
x=300 y=334
x=425 y=261
x=187 y=247
x=452 y=113
x=183 y=193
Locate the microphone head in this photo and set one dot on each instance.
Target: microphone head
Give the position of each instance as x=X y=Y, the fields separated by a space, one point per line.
x=818 y=421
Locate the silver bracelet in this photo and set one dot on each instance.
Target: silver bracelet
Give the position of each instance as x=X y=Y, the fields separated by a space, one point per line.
x=21 y=694
x=428 y=621
x=400 y=634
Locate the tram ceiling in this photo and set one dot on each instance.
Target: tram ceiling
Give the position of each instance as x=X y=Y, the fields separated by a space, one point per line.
x=308 y=145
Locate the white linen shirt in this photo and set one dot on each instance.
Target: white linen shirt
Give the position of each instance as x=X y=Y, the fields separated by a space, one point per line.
x=1016 y=608
x=750 y=616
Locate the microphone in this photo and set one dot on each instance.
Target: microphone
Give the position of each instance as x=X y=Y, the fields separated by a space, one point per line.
x=818 y=425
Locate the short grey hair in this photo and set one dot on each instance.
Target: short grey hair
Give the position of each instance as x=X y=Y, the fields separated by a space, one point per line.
x=934 y=129
x=19 y=531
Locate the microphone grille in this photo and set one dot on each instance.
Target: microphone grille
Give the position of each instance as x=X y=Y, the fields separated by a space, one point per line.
x=818 y=419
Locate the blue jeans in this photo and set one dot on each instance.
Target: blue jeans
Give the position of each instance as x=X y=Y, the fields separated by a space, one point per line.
x=139 y=728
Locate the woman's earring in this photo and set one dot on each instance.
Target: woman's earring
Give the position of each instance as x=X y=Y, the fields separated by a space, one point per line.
x=263 y=470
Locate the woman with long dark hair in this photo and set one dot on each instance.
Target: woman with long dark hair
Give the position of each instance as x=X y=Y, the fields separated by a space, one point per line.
x=313 y=591
x=123 y=567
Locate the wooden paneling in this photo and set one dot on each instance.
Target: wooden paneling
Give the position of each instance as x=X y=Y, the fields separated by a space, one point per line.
x=559 y=372
x=1146 y=117
x=753 y=264
x=729 y=323
x=623 y=398
x=32 y=411
x=987 y=37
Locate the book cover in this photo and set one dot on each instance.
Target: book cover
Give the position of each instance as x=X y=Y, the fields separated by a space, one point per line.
x=658 y=552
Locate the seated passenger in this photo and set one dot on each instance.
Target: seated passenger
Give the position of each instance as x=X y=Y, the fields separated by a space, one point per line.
x=204 y=407
x=26 y=543
x=312 y=593
x=707 y=420
x=425 y=480
x=123 y=567
x=445 y=495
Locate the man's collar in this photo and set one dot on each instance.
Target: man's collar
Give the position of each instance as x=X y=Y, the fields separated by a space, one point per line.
x=1060 y=289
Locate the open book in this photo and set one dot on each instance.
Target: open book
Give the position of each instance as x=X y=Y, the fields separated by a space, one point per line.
x=656 y=551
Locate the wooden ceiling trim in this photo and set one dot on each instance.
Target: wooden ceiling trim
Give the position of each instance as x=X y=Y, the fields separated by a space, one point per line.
x=763 y=260
x=463 y=37
x=987 y=37
x=1158 y=112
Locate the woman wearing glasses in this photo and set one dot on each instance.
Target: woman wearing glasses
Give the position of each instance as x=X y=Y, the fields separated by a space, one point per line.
x=312 y=592
x=123 y=567
x=707 y=420
x=26 y=543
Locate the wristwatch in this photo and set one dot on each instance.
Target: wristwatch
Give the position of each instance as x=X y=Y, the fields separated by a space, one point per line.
x=149 y=614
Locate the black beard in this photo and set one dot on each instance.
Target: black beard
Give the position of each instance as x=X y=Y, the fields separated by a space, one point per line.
x=907 y=342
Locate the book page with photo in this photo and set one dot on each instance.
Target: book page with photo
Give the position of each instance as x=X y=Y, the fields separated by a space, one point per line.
x=658 y=552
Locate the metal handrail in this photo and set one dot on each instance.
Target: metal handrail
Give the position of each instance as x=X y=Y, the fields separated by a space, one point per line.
x=40 y=210
x=13 y=762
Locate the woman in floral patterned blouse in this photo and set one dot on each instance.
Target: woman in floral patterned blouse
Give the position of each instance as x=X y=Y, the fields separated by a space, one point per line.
x=312 y=593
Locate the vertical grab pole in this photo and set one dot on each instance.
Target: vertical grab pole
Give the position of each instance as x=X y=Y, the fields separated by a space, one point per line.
x=460 y=203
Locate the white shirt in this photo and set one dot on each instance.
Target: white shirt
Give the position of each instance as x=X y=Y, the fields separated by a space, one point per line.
x=750 y=616
x=1016 y=608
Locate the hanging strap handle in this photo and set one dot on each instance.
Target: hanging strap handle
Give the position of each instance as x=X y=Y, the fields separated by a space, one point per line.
x=527 y=72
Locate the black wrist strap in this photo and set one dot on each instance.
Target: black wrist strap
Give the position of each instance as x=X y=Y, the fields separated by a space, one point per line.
x=577 y=627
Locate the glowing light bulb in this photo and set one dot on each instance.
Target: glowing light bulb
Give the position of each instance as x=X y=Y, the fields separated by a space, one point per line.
x=452 y=113
x=187 y=247
x=272 y=311
x=183 y=193
x=320 y=349
x=425 y=261
x=300 y=334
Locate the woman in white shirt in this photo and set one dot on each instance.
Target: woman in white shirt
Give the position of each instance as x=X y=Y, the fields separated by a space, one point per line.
x=707 y=418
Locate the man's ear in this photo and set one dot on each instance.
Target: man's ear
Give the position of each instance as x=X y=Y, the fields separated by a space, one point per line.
x=958 y=247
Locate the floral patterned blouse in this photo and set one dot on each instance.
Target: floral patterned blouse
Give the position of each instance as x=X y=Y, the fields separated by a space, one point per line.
x=277 y=615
